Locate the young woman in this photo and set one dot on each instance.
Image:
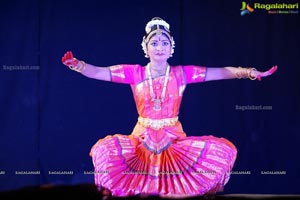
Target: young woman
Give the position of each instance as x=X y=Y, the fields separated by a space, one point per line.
x=158 y=158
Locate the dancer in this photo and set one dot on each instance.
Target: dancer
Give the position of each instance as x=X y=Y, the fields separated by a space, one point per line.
x=158 y=158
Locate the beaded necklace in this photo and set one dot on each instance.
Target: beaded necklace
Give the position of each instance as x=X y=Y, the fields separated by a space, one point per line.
x=156 y=100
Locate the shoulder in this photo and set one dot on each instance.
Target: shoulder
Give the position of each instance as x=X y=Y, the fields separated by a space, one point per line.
x=133 y=67
x=177 y=68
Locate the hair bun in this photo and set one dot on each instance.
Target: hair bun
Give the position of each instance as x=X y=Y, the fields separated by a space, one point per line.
x=156 y=21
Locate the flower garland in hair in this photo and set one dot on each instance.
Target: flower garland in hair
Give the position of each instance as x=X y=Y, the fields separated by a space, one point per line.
x=156 y=22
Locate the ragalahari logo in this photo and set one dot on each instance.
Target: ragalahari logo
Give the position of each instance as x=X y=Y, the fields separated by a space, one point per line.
x=246 y=9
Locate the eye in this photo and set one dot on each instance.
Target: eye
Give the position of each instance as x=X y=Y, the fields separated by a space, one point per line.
x=165 y=43
x=154 y=44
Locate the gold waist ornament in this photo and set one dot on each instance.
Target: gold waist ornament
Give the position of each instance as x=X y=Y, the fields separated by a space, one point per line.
x=157 y=124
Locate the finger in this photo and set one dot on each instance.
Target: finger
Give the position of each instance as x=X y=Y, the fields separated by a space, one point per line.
x=258 y=78
x=273 y=69
x=71 y=54
x=68 y=55
x=269 y=72
x=63 y=59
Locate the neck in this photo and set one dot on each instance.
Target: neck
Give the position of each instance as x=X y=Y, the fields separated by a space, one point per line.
x=158 y=66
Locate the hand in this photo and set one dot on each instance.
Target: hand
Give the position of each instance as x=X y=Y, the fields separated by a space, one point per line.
x=69 y=60
x=259 y=74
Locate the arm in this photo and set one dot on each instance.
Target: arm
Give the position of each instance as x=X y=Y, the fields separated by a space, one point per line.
x=236 y=72
x=88 y=70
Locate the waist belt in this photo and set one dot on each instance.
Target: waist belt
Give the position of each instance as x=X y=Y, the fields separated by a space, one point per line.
x=157 y=124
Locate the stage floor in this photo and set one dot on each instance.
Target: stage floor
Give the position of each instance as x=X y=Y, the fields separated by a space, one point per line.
x=90 y=192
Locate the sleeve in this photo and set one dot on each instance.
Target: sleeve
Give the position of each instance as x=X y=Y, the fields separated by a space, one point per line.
x=194 y=74
x=125 y=73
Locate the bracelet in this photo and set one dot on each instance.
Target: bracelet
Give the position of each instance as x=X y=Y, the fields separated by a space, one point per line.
x=80 y=68
x=249 y=74
x=245 y=73
x=241 y=73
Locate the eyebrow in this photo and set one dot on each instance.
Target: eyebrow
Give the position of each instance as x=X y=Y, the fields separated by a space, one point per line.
x=157 y=40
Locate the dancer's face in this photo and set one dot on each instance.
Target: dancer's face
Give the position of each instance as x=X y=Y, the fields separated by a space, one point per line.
x=159 y=48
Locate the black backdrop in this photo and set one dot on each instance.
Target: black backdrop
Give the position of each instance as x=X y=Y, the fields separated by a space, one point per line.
x=50 y=116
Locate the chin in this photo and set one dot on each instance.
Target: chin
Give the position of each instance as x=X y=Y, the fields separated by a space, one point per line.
x=160 y=58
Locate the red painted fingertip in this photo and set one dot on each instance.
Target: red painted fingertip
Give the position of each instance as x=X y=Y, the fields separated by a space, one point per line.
x=259 y=78
x=273 y=69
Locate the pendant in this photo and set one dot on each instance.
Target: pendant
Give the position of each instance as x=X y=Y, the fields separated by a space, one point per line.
x=157 y=104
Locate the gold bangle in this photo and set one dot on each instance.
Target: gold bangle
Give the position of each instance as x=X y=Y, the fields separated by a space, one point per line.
x=241 y=73
x=249 y=73
x=237 y=74
x=80 y=69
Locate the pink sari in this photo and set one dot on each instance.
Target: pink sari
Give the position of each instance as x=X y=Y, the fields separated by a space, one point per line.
x=161 y=159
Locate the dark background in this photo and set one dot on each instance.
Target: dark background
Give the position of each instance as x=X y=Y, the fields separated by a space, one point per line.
x=51 y=116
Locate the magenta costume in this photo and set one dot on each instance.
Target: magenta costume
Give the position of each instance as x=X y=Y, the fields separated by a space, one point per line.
x=158 y=157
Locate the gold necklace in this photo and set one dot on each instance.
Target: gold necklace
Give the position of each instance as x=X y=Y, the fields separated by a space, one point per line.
x=156 y=100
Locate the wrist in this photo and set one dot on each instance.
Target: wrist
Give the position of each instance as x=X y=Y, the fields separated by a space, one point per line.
x=79 y=67
x=242 y=72
x=250 y=73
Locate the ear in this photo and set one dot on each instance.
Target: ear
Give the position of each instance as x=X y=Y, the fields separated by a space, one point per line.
x=146 y=53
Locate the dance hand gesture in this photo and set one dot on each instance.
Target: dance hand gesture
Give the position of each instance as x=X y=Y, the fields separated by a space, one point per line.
x=259 y=74
x=74 y=64
x=69 y=60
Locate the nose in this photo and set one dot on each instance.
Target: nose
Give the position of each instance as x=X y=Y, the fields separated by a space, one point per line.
x=159 y=47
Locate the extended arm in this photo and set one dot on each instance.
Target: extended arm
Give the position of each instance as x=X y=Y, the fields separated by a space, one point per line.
x=88 y=70
x=236 y=72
